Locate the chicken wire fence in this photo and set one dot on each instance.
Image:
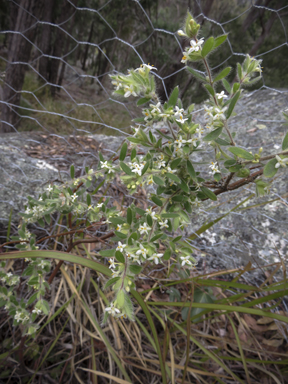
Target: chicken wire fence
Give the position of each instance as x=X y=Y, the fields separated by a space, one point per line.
x=63 y=110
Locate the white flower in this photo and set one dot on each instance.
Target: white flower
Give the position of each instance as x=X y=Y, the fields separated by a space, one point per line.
x=119 y=227
x=135 y=258
x=168 y=169
x=281 y=162
x=184 y=58
x=42 y=264
x=74 y=197
x=104 y=164
x=36 y=310
x=161 y=164
x=112 y=263
x=163 y=224
x=49 y=188
x=179 y=112
x=40 y=199
x=151 y=213
x=137 y=168
x=120 y=246
x=112 y=310
x=18 y=316
x=185 y=260
x=219 y=113
x=181 y=33
x=99 y=205
x=199 y=130
x=155 y=257
x=145 y=66
x=144 y=229
x=214 y=168
x=181 y=119
x=117 y=84
x=180 y=141
x=221 y=95
x=195 y=46
x=156 y=108
x=129 y=90
x=142 y=251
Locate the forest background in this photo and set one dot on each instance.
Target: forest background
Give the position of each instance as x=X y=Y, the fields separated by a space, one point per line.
x=55 y=56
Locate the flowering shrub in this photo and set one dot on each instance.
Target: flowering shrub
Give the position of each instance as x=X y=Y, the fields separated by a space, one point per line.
x=175 y=190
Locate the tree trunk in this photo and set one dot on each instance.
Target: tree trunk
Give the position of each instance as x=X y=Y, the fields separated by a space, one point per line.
x=87 y=47
x=46 y=40
x=66 y=11
x=20 y=45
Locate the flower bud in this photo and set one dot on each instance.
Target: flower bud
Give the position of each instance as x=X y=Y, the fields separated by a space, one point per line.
x=191 y=27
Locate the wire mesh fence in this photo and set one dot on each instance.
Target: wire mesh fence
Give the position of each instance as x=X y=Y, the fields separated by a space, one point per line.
x=57 y=106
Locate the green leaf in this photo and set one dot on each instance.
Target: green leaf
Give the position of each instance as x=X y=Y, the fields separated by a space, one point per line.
x=134 y=140
x=229 y=163
x=120 y=298
x=146 y=166
x=72 y=171
x=232 y=104
x=120 y=235
x=285 y=142
x=149 y=220
x=226 y=85
x=133 y=154
x=219 y=40
x=157 y=180
x=111 y=282
x=173 y=97
x=184 y=187
x=107 y=253
x=269 y=169
x=120 y=257
x=199 y=297
x=239 y=71
x=157 y=201
x=213 y=135
x=235 y=88
x=123 y=151
x=143 y=100
x=117 y=220
x=196 y=74
x=48 y=217
x=169 y=215
x=129 y=216
x=135 y=269
x=209 y=89
x=241 y=153
x=140 y=211
x=191 y=170
x=208 y=46
x=174 y=164
x=167 y=254
x=222 y=74
x=173 y=177
x=126 y=169
x=88 y=199
x=156 y=237
x=207 y=192
x=222 y=142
